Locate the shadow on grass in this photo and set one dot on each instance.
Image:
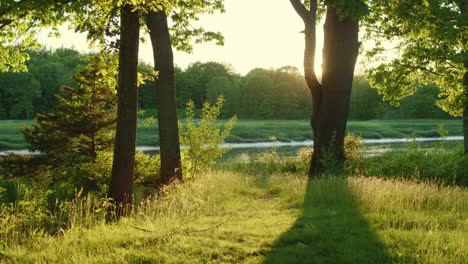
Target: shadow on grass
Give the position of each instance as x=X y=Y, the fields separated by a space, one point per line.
x=331 y=229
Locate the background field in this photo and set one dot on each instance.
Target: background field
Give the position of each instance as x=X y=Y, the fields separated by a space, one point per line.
x=246 y=131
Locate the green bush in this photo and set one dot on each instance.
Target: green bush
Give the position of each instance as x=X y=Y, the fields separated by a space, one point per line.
x=202 y=138
x=23 y=210
x=444 y=167
x=147 y=169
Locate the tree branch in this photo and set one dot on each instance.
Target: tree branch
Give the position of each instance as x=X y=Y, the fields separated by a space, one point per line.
x=5 y=22
x=421 y=68
x=301 y=10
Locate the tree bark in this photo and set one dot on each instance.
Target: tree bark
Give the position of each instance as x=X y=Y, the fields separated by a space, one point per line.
x=331 y=98
x=464 y=12
x=341 y=48
x=171 y=167
x=465 y=118
x=123 y=166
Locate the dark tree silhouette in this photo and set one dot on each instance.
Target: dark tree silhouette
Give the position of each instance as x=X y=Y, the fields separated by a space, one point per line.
x=171 y=167
x=123 y=166
x=331 y=96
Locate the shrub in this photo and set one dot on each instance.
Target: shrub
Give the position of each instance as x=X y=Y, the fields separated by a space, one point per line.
x=23 y=210
x=203 y=138
x=443 y=167
x=353 y=145
x=147 y=169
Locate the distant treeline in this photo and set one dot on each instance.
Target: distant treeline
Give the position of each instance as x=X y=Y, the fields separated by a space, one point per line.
x=260 y=94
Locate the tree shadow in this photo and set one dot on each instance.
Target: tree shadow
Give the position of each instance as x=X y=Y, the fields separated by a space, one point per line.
x=331 y=229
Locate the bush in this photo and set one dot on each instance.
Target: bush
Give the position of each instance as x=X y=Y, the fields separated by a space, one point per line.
x=23 y=210
x=443 y=167
x=147 y=169
x=203 y=138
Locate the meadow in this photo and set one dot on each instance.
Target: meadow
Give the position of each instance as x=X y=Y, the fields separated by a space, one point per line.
x=406 y=206
x=246 y=131
x=225 y=217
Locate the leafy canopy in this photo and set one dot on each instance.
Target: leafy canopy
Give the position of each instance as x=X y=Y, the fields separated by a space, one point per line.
x=19 y=23
x=100 y=20
x=430 y=39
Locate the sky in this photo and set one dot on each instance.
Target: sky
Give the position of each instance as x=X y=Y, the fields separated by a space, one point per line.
x=258 y=33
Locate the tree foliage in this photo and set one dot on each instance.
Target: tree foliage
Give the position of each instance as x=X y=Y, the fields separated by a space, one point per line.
x=222 y=86
x=99 y=19
x=85 y=116
x=430 y=40
x=19 y=90
x=192 y=83
x=20 y=20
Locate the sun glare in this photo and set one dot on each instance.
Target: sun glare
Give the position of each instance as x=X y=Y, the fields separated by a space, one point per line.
x=269 y=40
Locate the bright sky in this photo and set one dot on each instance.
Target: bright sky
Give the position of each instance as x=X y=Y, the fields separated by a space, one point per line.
x=260 y=33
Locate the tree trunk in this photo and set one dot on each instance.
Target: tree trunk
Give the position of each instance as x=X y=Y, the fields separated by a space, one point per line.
x=341 y=48
x=465 y=122
x=92 y=146
x=123 y=166
x=464 y=12
x=171 y=167
x=330 y=98
x=465 y=106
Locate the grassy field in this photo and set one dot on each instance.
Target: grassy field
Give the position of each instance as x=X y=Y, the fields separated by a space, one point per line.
x=260 y=130
x=232 y=218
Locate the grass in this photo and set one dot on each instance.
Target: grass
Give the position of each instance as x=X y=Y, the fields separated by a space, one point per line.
x=231 y=218
x=260 y=130
x=11 y=136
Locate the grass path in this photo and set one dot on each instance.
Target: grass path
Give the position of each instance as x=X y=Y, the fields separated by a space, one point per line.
x=228 y=218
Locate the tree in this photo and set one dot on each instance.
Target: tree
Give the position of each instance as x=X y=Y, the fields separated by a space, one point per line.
x=102 y=24
x=431 y=43
x=274 y=93
x=53 y=69
x=25 y=94
x=222 y=86
x=257 y=96
x=364 y=100
x=123 y=166
x=331 y=96
x=196 y=77
x=182 y=35
x=171 y=166
x=147 y=90
x=19 y=90
x=84 y=118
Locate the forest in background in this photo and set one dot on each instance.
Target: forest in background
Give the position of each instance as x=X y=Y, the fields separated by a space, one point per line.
x=260 y=94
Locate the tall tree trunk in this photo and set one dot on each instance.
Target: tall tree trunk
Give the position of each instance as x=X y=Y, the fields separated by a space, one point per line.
x=123 y=166
x=464 y=12
x=465 y=117
x=171 y=167
x=341 y=48
x=330 y=99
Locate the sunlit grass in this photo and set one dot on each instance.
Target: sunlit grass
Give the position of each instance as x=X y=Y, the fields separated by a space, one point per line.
x=232 y=218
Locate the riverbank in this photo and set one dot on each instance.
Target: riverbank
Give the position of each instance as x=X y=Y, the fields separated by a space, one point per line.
x=253 y=131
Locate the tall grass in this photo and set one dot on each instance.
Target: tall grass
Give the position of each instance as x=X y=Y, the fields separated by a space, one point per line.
x=266 y=218
x=418 y=222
